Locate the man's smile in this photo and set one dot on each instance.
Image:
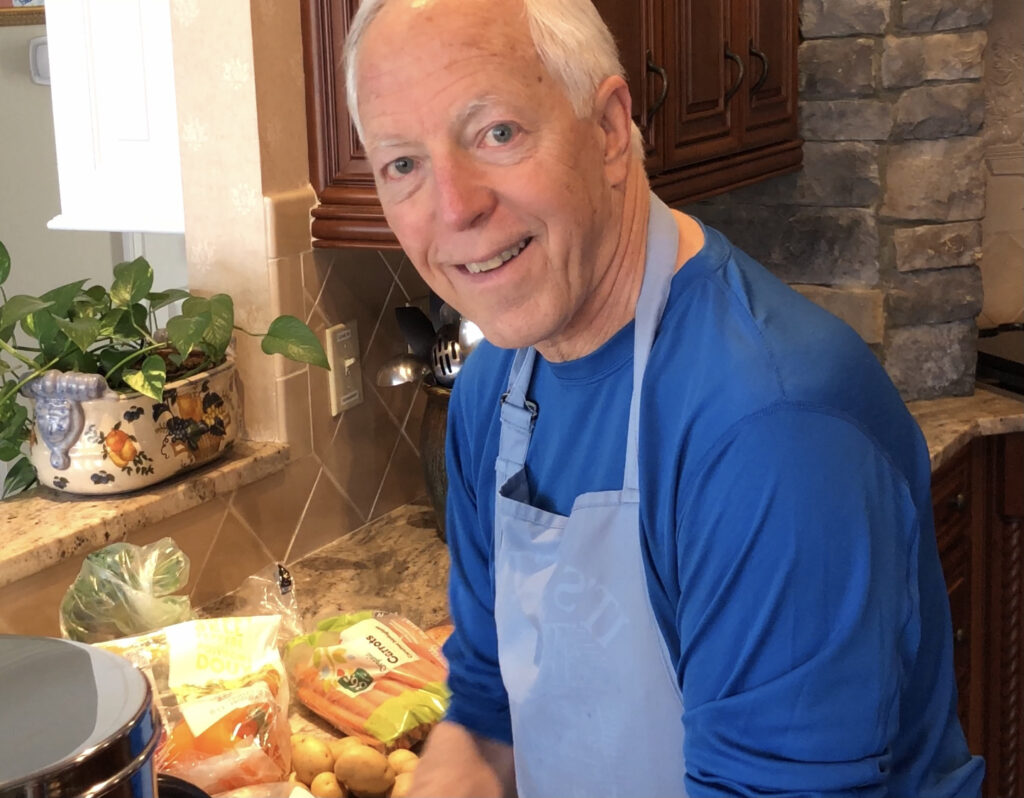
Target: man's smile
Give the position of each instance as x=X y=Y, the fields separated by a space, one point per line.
x=500 y=259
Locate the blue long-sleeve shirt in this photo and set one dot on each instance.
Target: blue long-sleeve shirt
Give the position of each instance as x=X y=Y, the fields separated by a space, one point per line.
x=787 y=529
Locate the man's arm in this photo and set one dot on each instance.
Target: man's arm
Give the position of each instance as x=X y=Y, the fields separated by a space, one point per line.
x=799 y=614
x=456 y=763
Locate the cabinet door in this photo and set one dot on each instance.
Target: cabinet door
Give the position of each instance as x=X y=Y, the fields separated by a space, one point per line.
x=349 y=213
x=704 y=44
x=633 y=27
x=957 y=512
x=771 y=63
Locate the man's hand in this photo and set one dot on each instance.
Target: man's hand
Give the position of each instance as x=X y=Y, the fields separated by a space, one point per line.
x=459 y=764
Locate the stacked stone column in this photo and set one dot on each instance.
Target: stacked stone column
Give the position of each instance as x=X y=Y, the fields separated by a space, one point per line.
x=882 y=225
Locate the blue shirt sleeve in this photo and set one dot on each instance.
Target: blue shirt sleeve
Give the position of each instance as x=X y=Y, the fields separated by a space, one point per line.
x=478 y=698
x=798 y=615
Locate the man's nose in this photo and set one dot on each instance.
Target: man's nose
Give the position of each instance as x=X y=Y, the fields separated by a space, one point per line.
x=464 y=198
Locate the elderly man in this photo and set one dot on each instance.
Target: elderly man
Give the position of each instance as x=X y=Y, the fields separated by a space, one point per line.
x=689 y=516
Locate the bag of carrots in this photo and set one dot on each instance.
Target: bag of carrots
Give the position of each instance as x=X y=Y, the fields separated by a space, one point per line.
x=373 y=675
x=221 y=691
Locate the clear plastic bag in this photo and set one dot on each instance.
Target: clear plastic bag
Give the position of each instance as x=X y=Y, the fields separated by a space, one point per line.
x=373 y=675
x=223 y=697
x=124 y=589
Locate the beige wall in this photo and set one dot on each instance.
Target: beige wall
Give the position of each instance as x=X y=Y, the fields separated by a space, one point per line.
x=241 y=109
x=1002 y=263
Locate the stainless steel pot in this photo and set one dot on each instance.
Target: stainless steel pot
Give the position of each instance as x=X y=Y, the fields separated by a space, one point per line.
x=74 y=721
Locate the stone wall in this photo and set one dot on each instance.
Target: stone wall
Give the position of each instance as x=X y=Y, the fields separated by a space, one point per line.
x=882 y=226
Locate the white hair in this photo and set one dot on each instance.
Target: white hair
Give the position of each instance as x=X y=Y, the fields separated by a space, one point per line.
x=572 y=41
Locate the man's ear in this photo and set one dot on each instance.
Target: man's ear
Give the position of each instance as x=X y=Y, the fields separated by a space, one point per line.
x=613 y=106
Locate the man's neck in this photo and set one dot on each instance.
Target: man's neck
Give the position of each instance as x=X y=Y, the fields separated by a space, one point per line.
x=613 y=300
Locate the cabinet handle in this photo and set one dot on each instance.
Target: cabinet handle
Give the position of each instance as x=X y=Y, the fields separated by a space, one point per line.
x=959 y=635
x=959 y=502
x=764 y=67
x=656 y=105
x=739 y=78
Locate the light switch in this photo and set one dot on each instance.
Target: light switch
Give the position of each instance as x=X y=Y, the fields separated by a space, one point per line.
x=39 y=61
x=346 y=376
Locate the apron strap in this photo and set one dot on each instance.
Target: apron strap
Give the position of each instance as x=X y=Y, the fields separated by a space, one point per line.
x=517 y=416
x=662 y=249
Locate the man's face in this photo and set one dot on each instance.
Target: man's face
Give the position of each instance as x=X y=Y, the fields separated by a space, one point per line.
x=496 y=191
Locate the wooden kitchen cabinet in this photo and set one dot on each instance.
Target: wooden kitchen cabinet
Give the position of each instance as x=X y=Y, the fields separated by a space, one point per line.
x=713 y=84
x=978 y=500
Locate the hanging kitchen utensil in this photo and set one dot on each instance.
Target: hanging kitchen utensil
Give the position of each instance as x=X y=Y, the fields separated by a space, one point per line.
x=469 y=336
x=448 y=315
x=417 y=330
x=446 y=357
x=402 y=369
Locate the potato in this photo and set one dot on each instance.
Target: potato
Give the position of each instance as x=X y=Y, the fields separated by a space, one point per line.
x=311 y=755
x=325 y=785
x=337 y=745
x=402 y=760
x=403 y=783
x=364 y=771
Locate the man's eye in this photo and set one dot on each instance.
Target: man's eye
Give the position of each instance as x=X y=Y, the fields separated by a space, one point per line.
x=501 y=133
x=401 y=166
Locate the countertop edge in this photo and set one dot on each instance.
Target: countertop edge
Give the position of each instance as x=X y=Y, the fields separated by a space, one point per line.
x=36 y=530
x=950 y=423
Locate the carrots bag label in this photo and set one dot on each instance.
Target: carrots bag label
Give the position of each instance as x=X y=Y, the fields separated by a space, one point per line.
x=364 y=651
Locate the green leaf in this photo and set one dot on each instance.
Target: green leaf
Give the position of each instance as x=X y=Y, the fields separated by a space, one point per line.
x=222 y=322
x=109 y=320
x=97 y=294
x=18 y=307
x=132 y=281
x=13 y=428
x=160 y=299
x=20 y=476
x=125 y=330
x=110 y=358
x=76 y=360
x=62 y=297
x=82 y=332
x=54 y=343
x=5 y=263
x=184 y=332
x=150 y=380
x=292 y=338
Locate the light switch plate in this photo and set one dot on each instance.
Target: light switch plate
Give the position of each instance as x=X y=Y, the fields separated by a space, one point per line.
x=346 y=378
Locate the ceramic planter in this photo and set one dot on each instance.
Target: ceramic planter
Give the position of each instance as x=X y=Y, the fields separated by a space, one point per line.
x=89 y=439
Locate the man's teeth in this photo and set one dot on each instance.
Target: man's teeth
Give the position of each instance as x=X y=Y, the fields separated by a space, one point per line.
x=497 y=260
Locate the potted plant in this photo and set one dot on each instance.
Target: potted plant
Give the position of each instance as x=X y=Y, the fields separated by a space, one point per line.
x=119 y=404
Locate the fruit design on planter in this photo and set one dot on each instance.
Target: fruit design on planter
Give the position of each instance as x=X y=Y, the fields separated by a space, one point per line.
x=194 y=423
x=122 y=449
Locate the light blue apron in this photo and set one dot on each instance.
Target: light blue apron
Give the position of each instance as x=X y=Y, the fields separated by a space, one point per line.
x=596 y=710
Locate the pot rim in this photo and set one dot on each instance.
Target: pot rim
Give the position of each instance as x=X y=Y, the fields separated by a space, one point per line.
x=111 y=394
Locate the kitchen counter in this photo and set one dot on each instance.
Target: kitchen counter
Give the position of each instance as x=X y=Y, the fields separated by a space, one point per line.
x=396 y=563
x=383 y=561
x=43 y=527
x=949 y=424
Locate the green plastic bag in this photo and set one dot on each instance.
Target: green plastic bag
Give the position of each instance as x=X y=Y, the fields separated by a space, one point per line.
x=124 y=590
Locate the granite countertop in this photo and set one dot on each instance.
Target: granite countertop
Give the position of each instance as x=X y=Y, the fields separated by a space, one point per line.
x=949 y=424
x=396 y=563
x=384 y=561
x=41 y=527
